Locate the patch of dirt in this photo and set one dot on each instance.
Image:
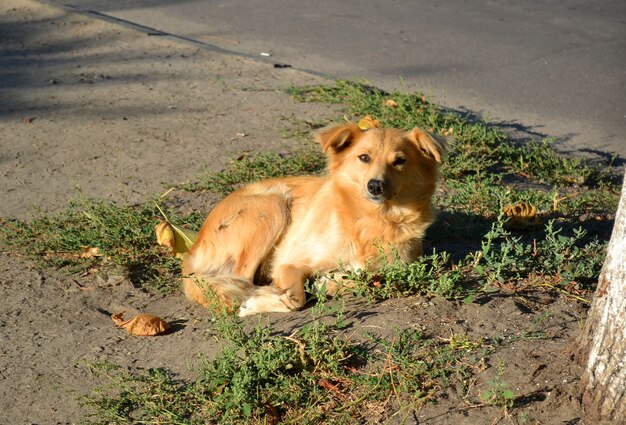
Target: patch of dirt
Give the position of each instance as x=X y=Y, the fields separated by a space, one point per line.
x=118 y=112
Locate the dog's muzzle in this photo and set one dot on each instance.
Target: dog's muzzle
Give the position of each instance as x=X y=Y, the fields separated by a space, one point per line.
x=377 y=190
x=376 y=187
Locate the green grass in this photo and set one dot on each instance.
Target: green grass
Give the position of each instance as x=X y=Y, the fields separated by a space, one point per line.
x=122 y=234
x=247 y=168
x=314 y=375
x=499 y=393
x=318 y=374
x=503 y=262
x=477 y=147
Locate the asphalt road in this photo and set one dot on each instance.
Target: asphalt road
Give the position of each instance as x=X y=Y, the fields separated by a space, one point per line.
x=537 y=67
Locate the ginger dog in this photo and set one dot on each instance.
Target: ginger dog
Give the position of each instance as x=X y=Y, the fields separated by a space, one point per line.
x=259 y=246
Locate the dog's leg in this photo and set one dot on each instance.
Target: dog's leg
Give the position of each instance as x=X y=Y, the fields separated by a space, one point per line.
x=192 y=290
x=235 y=242
x=289 y=279
x=286 y=293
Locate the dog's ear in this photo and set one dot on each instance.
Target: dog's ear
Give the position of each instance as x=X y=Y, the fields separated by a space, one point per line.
x=432 y=146
x=337 y=137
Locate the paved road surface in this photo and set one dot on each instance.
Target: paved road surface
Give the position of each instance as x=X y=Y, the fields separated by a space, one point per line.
x=541 y=67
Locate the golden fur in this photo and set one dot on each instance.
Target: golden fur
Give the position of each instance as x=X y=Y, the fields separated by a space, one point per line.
x=259 y=245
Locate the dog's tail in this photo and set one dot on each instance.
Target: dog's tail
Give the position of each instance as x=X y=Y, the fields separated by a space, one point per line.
x=234 y=291
x=229 y=290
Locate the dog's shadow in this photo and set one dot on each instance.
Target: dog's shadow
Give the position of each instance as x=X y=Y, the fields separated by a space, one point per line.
x=456 y=233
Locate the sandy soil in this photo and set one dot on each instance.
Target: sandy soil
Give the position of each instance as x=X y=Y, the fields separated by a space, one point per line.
x=118 y=112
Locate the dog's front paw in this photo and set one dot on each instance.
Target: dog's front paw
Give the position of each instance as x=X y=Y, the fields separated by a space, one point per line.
x=292 y=301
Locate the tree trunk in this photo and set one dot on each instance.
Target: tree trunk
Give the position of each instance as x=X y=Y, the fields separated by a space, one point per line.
x=603 y=341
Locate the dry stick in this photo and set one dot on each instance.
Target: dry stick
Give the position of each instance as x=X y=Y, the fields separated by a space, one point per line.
x=564 y=292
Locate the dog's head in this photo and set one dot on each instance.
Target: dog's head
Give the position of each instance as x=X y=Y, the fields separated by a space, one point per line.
x=383 y=165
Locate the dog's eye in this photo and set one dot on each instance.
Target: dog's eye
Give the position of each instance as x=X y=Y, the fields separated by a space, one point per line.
x=399 y=161
x=365 y=158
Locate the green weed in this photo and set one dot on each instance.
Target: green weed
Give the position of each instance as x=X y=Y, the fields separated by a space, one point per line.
x=248 y=168
x=504 y=262
x=499 y=393
x=314 y=375
x=477 y=148
x=94 y=236
x=541 y=161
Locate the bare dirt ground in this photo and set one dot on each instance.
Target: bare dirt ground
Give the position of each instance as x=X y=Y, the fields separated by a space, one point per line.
x=118 y=112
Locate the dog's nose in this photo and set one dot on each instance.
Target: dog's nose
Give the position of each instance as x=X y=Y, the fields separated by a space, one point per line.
x=376 y=187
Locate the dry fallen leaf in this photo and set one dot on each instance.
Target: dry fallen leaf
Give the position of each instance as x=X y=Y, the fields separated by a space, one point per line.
x=390 y=103
x=368 y=122
x=85 y=253
x=521 y=216
x=142 y=324
x=326 y=384
x=447 y=131
x=165 y=234
x=178 y=239
x=90 y=252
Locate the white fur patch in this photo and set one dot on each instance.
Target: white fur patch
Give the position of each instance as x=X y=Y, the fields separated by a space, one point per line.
x=265 y=300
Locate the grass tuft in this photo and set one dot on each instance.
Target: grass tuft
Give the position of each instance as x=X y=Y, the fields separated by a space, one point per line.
x=504 y=263
x=248 y=168
x=313 y=375
x=95 y=236
x=477 y=147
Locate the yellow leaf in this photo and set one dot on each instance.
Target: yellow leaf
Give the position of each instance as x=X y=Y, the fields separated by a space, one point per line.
x=390 y=103
x=90 y=252
x=368 y=122
x=86 y=253
x=142 y=325
x=447 y=131
x=165 y=234
x=178 y=239
x=521 y=216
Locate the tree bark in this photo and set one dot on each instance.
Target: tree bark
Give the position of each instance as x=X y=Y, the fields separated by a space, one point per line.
x=602 y=345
